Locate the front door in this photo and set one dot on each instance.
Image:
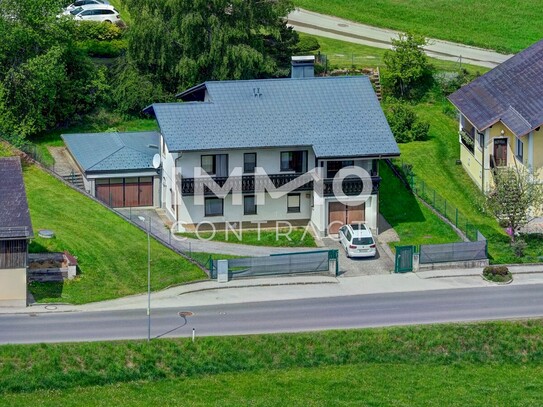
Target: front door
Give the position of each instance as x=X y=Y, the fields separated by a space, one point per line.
x=500 y=152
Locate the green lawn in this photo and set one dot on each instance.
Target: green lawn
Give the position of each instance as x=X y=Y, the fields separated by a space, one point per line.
x=298 y=237
x=112 y=254
x=503 y=25
x=412 y=220
x=495 y=363
x=344 y=54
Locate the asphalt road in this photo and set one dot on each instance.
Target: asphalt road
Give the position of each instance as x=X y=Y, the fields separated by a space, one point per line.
x=501 y=302
x=345 y=30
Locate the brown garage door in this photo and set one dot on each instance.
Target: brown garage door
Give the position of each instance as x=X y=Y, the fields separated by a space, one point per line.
x=339 y=214
x=125 y=192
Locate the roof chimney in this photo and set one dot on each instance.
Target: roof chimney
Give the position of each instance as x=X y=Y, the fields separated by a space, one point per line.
x=303 y=67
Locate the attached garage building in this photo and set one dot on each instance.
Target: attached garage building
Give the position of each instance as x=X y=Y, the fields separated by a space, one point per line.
x=15 y=231
x=117 y=168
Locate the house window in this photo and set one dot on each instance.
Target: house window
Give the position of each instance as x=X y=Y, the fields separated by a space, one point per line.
x=293 y=203
x=215 y=164
x=249 y=205
x=172 y=197
x=294 y=161
x=333 y=167
x=249 y=162
x=214 y=207
x=481 y=137
x=520 y=150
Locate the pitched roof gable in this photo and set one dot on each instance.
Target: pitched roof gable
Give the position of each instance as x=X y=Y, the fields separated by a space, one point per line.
x=14 y=213
x=512 y=93
x=337 y=116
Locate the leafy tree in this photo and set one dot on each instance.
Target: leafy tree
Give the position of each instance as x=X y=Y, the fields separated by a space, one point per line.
x=516 y=193
x=407 y=64
x=44 y=78
x=404 y=122
x=184 y=42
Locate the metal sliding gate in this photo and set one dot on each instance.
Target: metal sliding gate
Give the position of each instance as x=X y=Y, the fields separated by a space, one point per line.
x=319 y=261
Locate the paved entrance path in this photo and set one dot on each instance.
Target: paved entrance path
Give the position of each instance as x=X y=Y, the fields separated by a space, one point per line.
x=332 y=27
x=186 y=245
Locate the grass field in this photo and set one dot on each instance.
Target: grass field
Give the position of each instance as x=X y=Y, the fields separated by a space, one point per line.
x=498 y=363
x=298 y=237
x=112 y=254
x=503 y=25
x=347 y=54
x=412 y=220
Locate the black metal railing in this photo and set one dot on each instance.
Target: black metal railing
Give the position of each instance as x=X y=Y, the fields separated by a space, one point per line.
x=252 y=183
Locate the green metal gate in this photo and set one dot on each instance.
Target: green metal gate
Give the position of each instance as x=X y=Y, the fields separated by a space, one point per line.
x=404 y=259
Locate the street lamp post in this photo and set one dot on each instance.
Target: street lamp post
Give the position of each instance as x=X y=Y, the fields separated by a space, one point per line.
x=148 y=277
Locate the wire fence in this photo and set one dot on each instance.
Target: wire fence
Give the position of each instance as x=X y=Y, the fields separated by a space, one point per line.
x=444 y=207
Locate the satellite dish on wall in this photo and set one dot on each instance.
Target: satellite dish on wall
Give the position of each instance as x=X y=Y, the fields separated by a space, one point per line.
x=156 y=161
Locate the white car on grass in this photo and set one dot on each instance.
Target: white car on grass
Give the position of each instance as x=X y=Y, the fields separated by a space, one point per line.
x=357 y=240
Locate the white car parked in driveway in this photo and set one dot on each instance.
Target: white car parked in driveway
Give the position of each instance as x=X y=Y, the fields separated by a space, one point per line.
x=94 y=12
x=357 y=240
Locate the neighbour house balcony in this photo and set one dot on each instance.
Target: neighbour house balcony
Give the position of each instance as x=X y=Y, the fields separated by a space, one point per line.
x=468 y=139
x=250 y=183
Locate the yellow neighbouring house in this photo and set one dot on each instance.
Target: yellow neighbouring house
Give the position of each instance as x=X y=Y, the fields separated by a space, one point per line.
x=501 y=117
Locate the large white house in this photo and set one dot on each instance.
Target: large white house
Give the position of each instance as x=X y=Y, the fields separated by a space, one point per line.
x=247 y=134
x=285 y=127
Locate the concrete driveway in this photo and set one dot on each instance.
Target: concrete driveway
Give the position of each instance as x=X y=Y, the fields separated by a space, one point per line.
x=380 y=264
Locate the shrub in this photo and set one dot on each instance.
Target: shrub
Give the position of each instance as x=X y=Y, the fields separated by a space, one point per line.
x=404 y=122
x=495 y=271
x=519 y=246
x=307 y=44
x=103 y=49
x=92 y=30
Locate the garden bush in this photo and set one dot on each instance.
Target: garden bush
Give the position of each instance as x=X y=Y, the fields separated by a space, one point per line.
x=92 y=30
x=498 y=274
x=307 y=44
x=404 y=122
x=103 y=49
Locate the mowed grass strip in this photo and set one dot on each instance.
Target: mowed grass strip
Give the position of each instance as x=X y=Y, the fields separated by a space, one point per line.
x=280 y=237
x=503 y=25
x=344 y=54
x=517 y=346
x=368 y=384
x=414 y=222
x=112 y=253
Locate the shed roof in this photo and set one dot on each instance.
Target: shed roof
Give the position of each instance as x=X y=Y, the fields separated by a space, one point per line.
x=111 y=152
x=14 y=213
x=337 y=116
x=511 y=93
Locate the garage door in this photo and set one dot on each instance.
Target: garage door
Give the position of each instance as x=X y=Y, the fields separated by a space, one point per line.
x=125 y=192
x=341 y=214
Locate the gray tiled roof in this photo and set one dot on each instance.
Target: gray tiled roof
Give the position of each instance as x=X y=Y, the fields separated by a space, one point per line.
x=512 y=93
x=104 y=152
x=14 y=214
x=338 y=116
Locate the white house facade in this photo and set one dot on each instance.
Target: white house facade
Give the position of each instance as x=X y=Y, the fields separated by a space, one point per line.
x=246 y=134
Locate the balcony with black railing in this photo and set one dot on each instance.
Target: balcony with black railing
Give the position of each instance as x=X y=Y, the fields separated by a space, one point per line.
x=351 y=186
